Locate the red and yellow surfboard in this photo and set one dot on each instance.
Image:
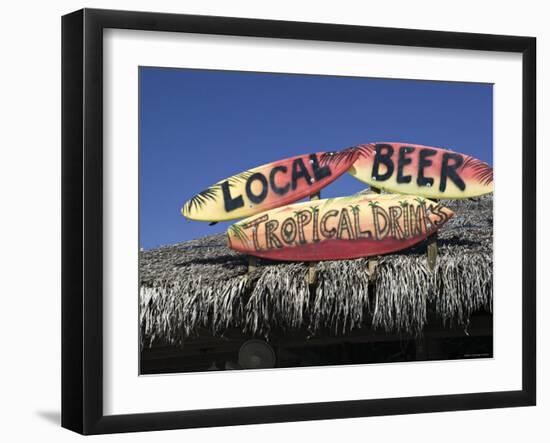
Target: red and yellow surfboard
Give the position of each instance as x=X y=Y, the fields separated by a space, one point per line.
x=422 y=170
x=338 y=228
x=269 y=186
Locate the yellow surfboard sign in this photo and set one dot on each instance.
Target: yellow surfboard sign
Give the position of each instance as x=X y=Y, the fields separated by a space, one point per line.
x=422 y=170
x=268 y=186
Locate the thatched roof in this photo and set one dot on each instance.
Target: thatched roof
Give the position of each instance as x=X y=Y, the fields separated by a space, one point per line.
x=204 y=284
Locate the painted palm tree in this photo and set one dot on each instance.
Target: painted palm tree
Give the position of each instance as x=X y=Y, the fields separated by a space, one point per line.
x=335 y=158
x=239 y=233
x=239 y=178
x=373 y=204
x=214 y=192
x=355 y=209
x=200 y=200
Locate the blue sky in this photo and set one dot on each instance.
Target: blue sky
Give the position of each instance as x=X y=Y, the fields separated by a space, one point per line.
x=198 y=127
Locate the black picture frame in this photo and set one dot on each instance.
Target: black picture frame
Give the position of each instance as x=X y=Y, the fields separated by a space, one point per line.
x=82 y=218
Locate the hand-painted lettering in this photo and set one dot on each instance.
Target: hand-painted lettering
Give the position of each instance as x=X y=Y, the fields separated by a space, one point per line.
x=319 y=172
x=258 y=186
x=299 y=171
x=277 y=189
x=385 y=163
x=344 y=225
x=357 y=224
x=402 y=161
x=315 y=210
x=380 y=231
x=383 y=156
x=271 y=240
x=448 y=170
x=423 y=163
x=395 y=227
x=230 y=203
x=256 y=198
x=254 y=225
x=302 y=219
x=398 y=222
x=416 y=219
x=288 y=230
x=328 y=233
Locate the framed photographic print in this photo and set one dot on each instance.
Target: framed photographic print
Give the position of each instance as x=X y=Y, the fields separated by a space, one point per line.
x=269 y=221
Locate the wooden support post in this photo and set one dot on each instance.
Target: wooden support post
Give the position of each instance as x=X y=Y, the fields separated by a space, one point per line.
x=252 y=263
x=432 y=250
x=372 y=264
x=315 y=196
x=311 y=273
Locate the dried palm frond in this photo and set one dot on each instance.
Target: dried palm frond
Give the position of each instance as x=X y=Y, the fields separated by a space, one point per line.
x=402 y=287
x=342 y=296
x=279 y=299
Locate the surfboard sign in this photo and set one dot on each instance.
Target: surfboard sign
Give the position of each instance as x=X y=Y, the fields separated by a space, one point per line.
x=269 y=186
x=422 y=170
x=339 y=228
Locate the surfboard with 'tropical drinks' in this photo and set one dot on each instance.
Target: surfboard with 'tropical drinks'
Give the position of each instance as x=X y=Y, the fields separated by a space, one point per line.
x=339 y=228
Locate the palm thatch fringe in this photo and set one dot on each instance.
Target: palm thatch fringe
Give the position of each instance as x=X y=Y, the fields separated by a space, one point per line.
x=170 y=312
x=463 y=284
x=342 y=296
x=279 y=299
x=402 y=287
x=200 y=284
